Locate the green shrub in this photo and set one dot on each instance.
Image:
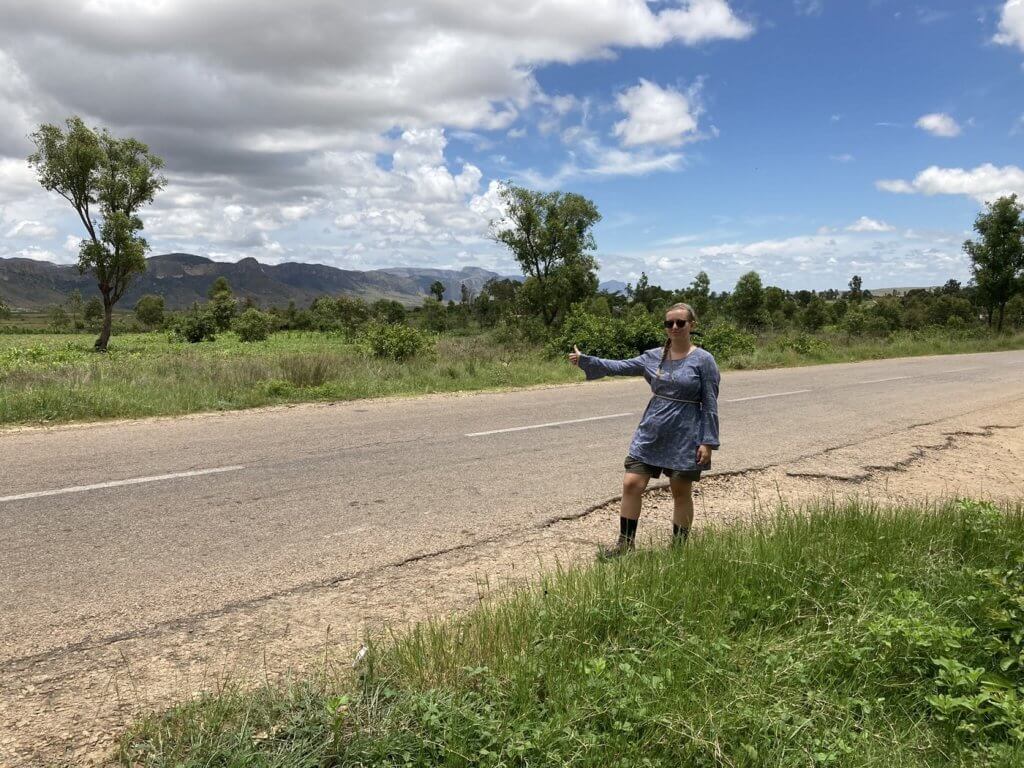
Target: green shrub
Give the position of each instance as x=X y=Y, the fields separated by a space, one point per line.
x=195 y=326
x=252 y=325
x=616 y=338
x=724 y=340
x=806 y=344
x=395 y=342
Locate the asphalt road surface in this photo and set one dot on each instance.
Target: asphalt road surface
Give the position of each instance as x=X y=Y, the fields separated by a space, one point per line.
x=109 y=530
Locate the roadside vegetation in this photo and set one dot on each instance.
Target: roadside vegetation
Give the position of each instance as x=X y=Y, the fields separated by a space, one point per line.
x=833 y=636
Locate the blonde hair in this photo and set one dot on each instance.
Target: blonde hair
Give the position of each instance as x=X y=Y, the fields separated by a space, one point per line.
x=668 y=342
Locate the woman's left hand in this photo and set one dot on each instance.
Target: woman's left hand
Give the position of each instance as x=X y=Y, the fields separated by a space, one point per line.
x=703 y=455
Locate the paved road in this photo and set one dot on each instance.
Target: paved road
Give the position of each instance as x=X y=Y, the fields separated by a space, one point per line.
x=108 y=530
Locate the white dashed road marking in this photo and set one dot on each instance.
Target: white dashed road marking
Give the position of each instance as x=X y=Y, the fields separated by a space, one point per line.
x=118 y=483
x=879 y=381
x=762 y=397
x=549 y=424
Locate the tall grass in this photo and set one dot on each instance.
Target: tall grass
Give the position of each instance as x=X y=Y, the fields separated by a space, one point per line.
x=849 y=636
x=59 y=378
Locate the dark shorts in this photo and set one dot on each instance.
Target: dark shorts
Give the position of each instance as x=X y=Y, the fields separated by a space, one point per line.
x=637 y=467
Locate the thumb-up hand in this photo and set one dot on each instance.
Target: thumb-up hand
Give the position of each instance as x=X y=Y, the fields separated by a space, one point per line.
x=574 y=356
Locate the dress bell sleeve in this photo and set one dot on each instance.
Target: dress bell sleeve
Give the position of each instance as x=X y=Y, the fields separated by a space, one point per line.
x=709 y=379
x=596 y=367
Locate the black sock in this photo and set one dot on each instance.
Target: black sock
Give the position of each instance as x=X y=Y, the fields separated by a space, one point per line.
x=679 y=533
x=627 y=529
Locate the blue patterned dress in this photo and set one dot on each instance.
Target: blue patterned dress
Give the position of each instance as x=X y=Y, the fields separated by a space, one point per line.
x=683 y=411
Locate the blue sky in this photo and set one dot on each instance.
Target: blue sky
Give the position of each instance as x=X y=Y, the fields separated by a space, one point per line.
x=808 y=140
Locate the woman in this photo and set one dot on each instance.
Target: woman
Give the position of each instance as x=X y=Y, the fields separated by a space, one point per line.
x=679 y=428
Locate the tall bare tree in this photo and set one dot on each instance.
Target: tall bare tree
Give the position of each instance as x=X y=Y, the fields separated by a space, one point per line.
x=107 y=181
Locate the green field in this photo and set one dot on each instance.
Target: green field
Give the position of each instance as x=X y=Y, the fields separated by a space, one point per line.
x=844 y=637
x=51 y=378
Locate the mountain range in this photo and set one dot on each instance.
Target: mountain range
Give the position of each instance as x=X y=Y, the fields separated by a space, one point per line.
x=184 y=278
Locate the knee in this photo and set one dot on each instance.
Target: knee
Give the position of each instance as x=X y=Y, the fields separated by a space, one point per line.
x=633 y=485
x=682 y=490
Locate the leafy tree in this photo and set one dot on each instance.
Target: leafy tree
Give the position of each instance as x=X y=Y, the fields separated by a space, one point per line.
x=5 y=311
x=76 y=308
x=653 y=298
x=388 y=311
x=815 y=314
x=551 y=235
x=196 y=325
x=218 y=287
x=698 y=294
x=1015 y=311
x=107 y=181
x=465 y=294
x=437 y=290
x=252 y=325
x=149 y=310
x=856 y=293
x=92 y=315
x=997 y=257
x=951 y=288
x=58 y=318
x=223 y=306
x=748 y=299
x=773 y=298
x=435 y=315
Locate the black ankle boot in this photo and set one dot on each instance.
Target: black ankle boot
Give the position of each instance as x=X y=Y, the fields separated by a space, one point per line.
x=679 y=535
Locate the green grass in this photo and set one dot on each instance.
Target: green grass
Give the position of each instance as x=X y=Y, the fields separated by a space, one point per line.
x=48 y=378
x=845 y=637
x=59 y=378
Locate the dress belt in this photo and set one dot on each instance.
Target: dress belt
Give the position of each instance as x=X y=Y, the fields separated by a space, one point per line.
x=676 y=400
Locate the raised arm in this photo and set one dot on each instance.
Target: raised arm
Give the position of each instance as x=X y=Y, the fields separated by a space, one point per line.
x=709 y=379
x=596 y=367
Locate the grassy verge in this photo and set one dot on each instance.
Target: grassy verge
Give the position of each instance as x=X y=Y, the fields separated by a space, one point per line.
x=847 y=637
x=57 y=378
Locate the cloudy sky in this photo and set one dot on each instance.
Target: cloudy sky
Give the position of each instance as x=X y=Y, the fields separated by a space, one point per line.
x=806 y=139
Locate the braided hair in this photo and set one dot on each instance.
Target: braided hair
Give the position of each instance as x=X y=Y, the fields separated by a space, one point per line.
x=668 y=342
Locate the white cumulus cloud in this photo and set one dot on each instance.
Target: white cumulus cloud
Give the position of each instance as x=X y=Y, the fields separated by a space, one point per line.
x=31 y=229
x=939 y=124
x=1011 y=24
x=983 y=183
x=865 y=224
x=656 y=115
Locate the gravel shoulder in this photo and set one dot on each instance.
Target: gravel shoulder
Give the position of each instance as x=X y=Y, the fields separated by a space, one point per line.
x=68 y=705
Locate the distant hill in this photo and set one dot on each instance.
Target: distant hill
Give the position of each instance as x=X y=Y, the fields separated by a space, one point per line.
x=184 y=278
x=613 y=286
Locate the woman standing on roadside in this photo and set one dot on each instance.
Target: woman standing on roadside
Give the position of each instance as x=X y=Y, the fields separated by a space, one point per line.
x=679 y=428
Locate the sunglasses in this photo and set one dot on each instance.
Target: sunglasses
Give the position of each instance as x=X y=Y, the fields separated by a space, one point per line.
x=676 y=323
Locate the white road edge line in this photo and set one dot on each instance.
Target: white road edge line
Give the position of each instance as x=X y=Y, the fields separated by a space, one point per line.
x=958 y=370
x=879 y=381
x=549 y=424
x=762 y=397
x=117 y=483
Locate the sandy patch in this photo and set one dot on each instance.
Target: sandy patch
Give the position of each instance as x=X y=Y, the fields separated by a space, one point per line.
x=69 y=705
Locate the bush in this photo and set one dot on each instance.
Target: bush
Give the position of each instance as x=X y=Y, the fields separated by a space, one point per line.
x=149 y=310
x=617 y=338
x=252 y=325
x=724 y=340
x=395 y=342
x=195 y=326
x=806 y=344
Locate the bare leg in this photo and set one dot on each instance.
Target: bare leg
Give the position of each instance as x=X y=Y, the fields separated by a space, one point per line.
x=633 y=487
x=682 y=502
